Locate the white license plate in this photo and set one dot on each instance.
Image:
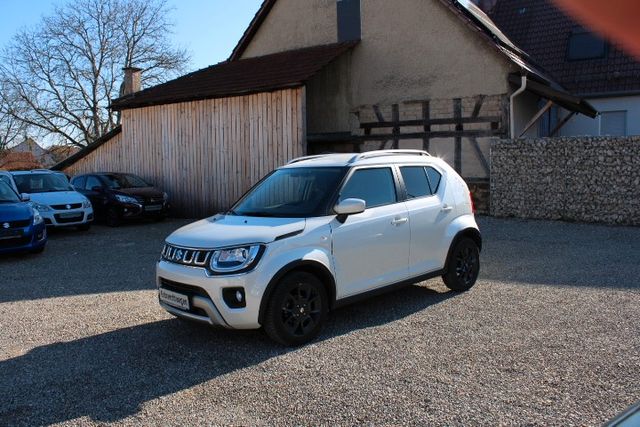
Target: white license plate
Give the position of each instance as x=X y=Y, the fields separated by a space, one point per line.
x=152 y=208
x=70 y=214
x=175 y=299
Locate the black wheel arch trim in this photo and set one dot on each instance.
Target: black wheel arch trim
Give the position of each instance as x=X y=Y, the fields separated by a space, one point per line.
x=471 y=233
x=309 y=266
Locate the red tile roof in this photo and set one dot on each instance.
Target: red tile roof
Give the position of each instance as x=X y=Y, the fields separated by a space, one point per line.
x=542 y=30
x=265 y=73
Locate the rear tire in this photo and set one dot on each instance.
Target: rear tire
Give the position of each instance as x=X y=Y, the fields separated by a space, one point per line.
x=297 y=309
x=463 y=266
x=84 y=227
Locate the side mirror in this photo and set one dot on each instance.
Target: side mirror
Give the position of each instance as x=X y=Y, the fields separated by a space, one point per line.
x=349 y=207
x=25 y=197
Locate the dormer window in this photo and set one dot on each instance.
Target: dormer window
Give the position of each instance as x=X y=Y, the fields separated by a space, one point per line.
x=585 y=45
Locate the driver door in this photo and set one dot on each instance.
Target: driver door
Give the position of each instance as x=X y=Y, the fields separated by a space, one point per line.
x=371 y=249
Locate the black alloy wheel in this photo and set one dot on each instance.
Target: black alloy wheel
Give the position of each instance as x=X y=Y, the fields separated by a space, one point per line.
x=297 y=309
x=463 y=266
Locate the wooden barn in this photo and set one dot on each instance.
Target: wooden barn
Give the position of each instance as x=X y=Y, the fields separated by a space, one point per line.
x=325 y=75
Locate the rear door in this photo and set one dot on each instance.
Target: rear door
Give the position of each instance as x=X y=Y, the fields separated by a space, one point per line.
x=371 y=249
x=431 y=209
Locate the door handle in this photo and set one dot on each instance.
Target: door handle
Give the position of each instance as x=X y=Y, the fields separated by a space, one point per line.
x=446 y=208
x=399 y=221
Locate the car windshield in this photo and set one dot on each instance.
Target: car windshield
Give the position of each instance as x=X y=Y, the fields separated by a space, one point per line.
x=291 y=193
x=125 y=181
x=7 y=195
x=42 y=182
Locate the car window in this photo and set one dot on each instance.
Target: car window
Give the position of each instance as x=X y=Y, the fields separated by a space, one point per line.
x=375 y=186
x=434 y=179
x=78 y=182
x=415 y=181
x=93 y=181
x=6 y=179
x=42 y=182
x=7 y=195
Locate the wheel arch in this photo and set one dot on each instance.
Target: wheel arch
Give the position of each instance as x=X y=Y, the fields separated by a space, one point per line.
x=471 y=233
x=313 y=267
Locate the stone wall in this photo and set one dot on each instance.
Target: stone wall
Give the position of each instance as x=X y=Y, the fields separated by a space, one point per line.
x=589 y=179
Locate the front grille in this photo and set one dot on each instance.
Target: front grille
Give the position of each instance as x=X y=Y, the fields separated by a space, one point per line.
x=16 y=224
x=185 y=256
x=155 y=200
x=67 y=220
x=66 y=206
x=15 y=242
x=182 y=288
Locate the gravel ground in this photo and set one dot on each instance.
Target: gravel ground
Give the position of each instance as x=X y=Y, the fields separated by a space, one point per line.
x=548 y=336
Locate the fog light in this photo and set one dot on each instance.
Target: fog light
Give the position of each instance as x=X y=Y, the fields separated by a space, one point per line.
x=234 y=297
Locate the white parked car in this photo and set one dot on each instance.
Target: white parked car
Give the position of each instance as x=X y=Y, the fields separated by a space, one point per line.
x=320 y=232
x=56 y=200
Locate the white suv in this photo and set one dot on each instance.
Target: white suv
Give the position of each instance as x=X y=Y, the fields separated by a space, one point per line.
x=318 y=233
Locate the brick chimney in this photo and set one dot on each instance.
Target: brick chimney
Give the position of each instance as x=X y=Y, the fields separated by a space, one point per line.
x=131 y=82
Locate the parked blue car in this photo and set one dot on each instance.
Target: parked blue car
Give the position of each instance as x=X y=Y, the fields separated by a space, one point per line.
x=22 y=229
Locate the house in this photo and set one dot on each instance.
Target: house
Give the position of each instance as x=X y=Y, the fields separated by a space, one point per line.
x=39 y=156
x=325 y=75
x=583 y=63
x=14 y=161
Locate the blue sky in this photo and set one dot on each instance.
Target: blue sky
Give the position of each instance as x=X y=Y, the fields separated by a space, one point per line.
x=209 y=29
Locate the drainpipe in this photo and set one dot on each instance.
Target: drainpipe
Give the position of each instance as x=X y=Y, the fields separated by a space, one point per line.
x=522 y=88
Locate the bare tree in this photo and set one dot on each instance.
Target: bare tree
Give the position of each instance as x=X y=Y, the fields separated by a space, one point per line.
x=66 y=73
x=10 y=127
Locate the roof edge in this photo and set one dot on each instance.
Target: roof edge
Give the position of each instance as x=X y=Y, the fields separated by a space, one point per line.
x=252 y=29
x=87 y=150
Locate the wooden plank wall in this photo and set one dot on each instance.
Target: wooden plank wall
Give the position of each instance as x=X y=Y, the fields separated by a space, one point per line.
x=206 y=154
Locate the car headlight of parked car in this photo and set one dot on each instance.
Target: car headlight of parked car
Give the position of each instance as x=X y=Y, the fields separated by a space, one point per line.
x=39 y=207
x=235 y=260
x=86 y=203
x=126 y=199
x=37 y=218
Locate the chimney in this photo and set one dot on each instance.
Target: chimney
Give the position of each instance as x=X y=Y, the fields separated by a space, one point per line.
x=349 y=26
x=131 y=82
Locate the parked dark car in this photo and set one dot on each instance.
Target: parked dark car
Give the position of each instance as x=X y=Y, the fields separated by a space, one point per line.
x=22 y=228
x=120 y=196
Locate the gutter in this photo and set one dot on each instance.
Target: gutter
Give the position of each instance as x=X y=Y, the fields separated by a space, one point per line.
x=522 y=88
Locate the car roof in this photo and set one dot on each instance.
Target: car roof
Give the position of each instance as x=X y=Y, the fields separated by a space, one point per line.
x=358 y=159
x=35 y=171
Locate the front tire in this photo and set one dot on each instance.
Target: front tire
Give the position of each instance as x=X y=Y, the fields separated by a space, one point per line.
x=38 y=250
x=112 y=218
x=463 y=266
x=297 y=309
x=84 y=227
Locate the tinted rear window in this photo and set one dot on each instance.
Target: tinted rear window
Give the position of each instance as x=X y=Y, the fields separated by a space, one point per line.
x=415 y=181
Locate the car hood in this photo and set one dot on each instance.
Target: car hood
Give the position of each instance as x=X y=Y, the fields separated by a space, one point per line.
x=18 y=211
x=230 y=230
x=57 y=197
x=141 y=192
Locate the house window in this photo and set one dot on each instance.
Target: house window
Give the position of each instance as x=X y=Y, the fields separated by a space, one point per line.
x=349 y=26
x=613 y=123
x=585 y=45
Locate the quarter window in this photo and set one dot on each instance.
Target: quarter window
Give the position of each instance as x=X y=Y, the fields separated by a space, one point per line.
x=375 y=186
x=92 y=181
x=79 y=182
x=415 y=181
x=434 y=179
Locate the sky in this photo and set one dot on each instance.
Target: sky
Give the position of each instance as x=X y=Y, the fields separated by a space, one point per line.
x=208 y=29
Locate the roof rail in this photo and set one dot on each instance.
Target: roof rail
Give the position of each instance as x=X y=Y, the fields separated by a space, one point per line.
x=382 y=153
x=300 y=159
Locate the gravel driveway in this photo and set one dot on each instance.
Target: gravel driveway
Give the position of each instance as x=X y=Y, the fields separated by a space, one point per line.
x=550 y=335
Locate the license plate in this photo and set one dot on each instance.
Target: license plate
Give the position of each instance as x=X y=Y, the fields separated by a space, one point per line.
x=175 y=299
x=70 y=215
x=152 y=208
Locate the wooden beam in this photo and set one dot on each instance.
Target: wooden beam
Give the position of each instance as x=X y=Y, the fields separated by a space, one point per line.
x=457 y=115
x=480 y=154
x=426 y=115
x=395 y=117
x=431 y=122
x=536 y=117
x=562 y=123
x=478 y=133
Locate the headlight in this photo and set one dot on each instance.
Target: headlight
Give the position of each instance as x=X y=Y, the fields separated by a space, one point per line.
x=234 y=260
x=86 y=203
x=125 y=199
x=40 y=207
x=165 y=197
x=37 y=218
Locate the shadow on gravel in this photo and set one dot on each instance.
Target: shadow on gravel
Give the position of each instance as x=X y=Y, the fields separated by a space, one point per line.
x=560 y=253
x=107 y=377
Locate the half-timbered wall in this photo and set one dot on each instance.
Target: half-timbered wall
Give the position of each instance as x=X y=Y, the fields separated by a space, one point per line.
x=205 y=154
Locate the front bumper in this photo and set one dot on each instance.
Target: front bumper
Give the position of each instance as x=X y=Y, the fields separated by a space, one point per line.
x=142 y=210
x=32 y=238
x=67 y=218
x=204 y=292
